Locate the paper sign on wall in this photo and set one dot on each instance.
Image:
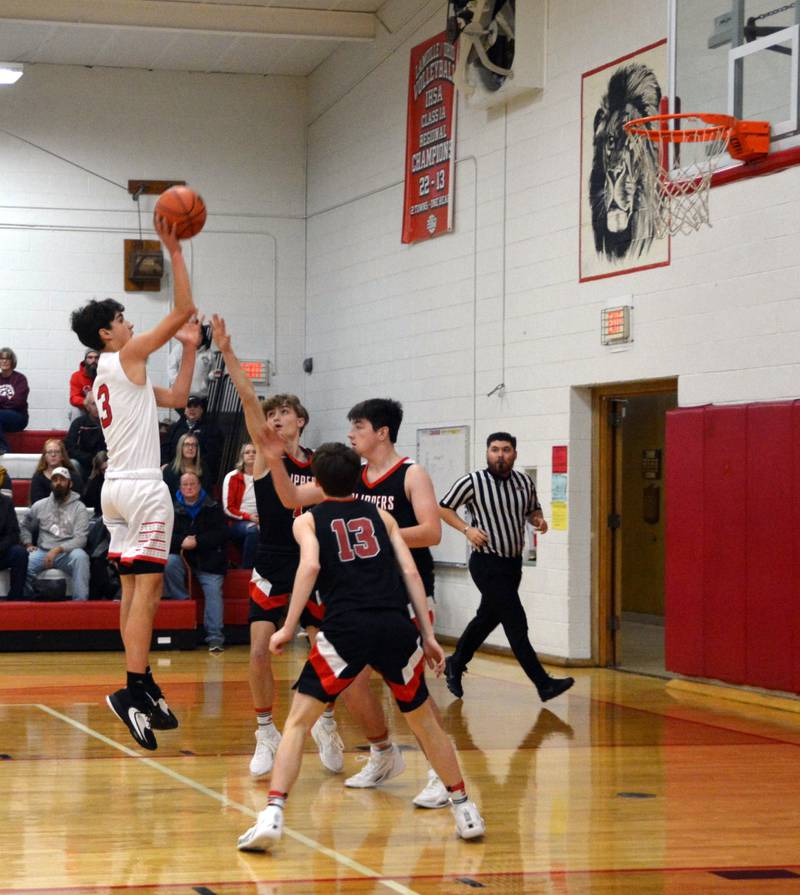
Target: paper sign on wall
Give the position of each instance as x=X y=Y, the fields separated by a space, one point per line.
x=559 y=514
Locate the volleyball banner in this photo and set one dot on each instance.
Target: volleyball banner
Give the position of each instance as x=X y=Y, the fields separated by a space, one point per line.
x=430 y=140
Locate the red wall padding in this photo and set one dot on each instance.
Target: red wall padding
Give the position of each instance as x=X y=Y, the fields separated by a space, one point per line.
x=683 y=587
x=31 y=441
x=732 y=529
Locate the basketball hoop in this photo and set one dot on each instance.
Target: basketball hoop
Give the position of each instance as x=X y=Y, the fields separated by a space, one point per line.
x=676 y=193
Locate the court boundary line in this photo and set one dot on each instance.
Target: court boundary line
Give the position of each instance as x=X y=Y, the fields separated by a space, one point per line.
x=453 y=876
x=226 y=802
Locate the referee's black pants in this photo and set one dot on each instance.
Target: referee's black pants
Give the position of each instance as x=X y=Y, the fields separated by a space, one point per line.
x=498 y=578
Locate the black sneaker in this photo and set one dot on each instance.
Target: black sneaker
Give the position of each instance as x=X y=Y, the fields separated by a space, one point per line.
x=134 y=712
x=555 y=687
x=161 y=718
x=452 y=676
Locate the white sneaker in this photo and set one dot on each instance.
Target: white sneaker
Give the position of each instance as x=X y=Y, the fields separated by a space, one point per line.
x=267 y=741
x=469 y=823
x=265 y=832
x=380 y=767
x=329 y=743
x=435 y=794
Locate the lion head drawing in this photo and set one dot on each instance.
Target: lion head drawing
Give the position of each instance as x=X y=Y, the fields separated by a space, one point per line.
x=623 y=227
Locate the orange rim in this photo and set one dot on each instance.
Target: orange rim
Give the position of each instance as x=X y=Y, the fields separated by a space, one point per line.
x=720 y=127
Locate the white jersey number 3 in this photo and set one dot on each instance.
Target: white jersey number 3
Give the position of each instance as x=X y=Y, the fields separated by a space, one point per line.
x=104 y=406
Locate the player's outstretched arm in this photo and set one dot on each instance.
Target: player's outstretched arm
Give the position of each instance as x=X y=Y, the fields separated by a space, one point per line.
x=304 y=580
x=253 y=415
x=177 y=395
x=419 y=490
x=416 y=592
x=141 y=346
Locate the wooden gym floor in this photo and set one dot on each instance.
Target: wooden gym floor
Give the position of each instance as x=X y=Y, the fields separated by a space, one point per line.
x=624 y=785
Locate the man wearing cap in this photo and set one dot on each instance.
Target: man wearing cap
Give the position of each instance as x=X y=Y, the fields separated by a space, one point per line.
x=80 y=383
x=61 y=524
x=210 y=438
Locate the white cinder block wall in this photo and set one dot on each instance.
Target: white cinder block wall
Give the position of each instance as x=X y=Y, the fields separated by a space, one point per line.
x=438 y=325
x=239 y=139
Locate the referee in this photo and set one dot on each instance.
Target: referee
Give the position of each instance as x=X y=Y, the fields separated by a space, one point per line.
x=499 y=501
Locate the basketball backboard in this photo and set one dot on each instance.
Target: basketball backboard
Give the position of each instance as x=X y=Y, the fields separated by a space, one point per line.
x=741 y=58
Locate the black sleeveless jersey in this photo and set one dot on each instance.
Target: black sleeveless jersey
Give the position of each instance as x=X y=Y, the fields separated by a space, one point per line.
x=274 y=519
x=389 y=493
x=358 y=567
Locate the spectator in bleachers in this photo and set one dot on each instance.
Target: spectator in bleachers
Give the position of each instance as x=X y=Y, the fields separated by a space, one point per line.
x=93 y=488
x=199 y=539
x=239 y=502
x=54 y=455
x=13 y=556
x=5 y=483
x=194 y=421
x=55 y=532
x=80 y=383
x=204 y=362
x=13 y=397
x=187 y=459
x=85 y=437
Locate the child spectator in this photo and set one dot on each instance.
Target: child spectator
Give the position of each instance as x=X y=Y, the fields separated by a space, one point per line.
x=94 y=486
x=239 y=502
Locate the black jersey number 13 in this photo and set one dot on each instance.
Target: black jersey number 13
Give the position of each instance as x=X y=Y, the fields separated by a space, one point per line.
x=365 y=545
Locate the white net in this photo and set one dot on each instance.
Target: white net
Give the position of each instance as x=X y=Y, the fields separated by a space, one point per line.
x=677 y=182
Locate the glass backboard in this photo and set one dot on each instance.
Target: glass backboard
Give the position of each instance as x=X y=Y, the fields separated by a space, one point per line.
x=738 y=57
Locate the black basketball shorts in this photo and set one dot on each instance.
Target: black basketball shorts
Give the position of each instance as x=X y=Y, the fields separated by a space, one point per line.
x=385 y=639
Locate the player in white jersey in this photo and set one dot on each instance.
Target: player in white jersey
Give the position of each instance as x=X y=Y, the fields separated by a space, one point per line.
x=137 y=508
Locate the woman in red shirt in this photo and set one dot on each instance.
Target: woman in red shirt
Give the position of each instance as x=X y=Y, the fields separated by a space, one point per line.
x=239 y=501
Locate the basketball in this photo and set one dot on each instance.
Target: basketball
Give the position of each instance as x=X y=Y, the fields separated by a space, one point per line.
x=181 y=205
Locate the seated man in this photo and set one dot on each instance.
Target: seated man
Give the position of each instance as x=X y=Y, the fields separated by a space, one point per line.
x=13 y=555
x=85 y=437
x=80 y=383
x=61 y=524
x=198 y=540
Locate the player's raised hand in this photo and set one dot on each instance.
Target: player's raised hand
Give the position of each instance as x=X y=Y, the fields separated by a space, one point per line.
x=269 y=442
x=191 y=332
x=222 y=338
x=167 y=234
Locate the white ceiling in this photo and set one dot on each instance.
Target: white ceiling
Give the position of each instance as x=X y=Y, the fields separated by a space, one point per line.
x=265 y=37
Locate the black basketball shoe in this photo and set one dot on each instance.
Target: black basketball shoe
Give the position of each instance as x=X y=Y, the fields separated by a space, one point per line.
x=452 y=676
x=161 y=717
x=134 y=709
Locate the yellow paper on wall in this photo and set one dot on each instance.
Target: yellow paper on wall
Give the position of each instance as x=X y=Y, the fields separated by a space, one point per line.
x=558 y=515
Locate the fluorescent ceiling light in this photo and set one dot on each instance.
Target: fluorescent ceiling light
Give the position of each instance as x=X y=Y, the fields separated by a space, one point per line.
x=10 y=73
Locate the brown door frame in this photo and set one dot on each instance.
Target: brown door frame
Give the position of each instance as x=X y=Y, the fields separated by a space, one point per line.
x=606 y=567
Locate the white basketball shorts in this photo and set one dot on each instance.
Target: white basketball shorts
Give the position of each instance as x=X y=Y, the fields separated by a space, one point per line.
x=139 y=515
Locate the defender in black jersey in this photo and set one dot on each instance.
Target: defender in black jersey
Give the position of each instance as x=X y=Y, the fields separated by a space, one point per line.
x=352 y=550
x=405 y=490
x=276 y=562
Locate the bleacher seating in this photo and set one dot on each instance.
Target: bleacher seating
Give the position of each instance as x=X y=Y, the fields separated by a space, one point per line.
x=95 y=624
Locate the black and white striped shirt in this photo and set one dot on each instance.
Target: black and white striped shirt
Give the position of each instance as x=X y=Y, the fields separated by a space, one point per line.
x=498 y=506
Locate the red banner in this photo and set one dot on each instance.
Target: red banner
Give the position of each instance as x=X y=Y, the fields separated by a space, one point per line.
x=430 y=140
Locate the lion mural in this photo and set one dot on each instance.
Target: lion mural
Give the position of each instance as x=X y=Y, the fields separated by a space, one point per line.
x=623 y=228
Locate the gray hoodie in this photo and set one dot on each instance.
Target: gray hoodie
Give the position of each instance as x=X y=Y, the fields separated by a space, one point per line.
x=64 y=525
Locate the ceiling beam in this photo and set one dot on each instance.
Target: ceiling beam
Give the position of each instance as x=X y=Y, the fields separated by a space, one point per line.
x=212 y=18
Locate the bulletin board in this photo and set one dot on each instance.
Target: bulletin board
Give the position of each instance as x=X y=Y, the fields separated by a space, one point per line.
x=444 y=453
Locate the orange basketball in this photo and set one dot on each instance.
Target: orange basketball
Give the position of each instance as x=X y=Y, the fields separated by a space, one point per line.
x=181 y=205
